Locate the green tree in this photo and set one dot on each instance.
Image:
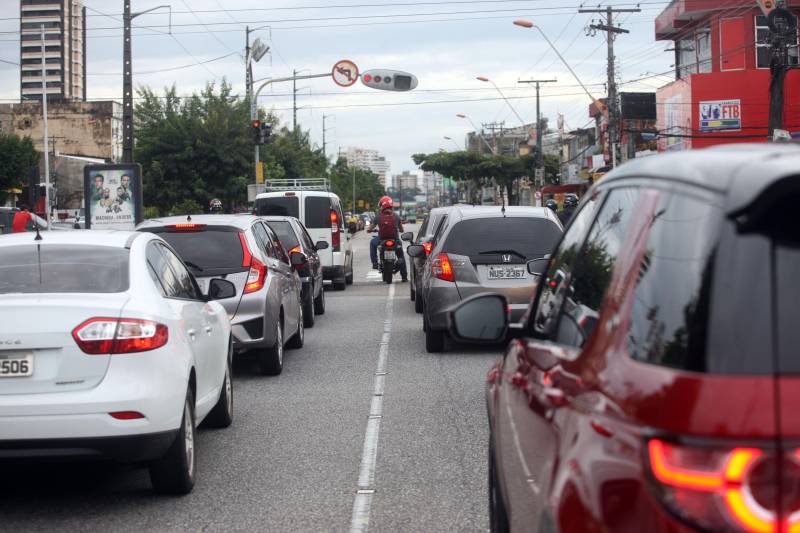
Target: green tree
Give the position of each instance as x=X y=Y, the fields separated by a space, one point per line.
x=368 y=188
x=17 y=156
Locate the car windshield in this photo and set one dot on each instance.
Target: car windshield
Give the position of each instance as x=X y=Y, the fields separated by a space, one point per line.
x=526 y=237
x=61 y=268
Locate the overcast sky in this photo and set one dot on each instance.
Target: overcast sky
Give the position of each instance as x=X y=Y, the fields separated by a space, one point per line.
x=445 y=43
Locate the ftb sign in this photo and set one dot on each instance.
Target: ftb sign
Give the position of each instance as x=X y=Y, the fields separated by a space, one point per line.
x=721 y=115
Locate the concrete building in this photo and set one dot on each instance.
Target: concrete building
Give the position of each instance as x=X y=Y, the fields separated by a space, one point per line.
x=84 y=129
x=503 y=141
x=64 y=24
x=368 y=160
x=405 y=181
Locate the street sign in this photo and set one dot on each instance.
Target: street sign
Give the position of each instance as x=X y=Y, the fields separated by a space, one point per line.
x=389 y=80
x=345 y=73
x=260 y=172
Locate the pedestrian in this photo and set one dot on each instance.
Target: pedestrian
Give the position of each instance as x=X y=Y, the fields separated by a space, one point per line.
x=21 y=219
x=570 y=204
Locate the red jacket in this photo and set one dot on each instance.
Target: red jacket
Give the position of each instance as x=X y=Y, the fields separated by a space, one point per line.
x=21 y=219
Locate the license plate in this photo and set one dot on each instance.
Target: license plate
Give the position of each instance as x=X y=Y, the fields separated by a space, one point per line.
x=16 y=365
x=506 y=272
x=389 y=255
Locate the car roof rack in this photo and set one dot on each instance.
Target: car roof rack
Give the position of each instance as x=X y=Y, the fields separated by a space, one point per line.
x=301 y=184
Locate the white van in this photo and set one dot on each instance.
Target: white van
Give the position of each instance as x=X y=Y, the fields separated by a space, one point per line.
x=320 y=211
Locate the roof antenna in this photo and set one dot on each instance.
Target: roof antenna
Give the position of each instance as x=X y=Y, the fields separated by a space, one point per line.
x=38 y=235
x=503 y=208
x=188 y=218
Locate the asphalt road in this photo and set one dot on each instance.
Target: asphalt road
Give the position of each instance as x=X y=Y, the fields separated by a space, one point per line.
x=292 y=460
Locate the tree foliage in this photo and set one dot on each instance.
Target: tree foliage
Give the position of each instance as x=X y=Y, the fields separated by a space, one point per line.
x=367 y=186
x=17 y=156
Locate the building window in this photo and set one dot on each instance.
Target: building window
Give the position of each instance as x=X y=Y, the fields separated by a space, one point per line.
x=763 y=45
x=694 y=53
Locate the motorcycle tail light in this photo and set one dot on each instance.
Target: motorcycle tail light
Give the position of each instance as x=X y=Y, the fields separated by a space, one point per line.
x=442 y=268
x=103 y=336
x=727 y=488
x=390 y=244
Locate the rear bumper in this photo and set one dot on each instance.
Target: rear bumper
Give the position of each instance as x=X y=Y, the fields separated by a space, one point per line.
x=132 y=448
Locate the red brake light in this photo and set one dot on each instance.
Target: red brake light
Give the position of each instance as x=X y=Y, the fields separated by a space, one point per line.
x=336 y=238
x=442 y=268
x=290 y=194
x=256 y=276
x=103 y=336
x=186 y=227
x=390 y=243
x=247 y=256
x=427 y=246
x=722 y=489
x=127 y=415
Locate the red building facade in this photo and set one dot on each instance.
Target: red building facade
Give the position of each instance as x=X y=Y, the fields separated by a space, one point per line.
x=722 y=56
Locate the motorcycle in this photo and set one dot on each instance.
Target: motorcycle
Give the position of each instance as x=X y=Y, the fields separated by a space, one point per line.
x=389 y=262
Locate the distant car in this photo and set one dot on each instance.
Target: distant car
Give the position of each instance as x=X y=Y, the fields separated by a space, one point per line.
x=321 y=214
x=483 y=249
x=265 y=311
x=434 y=221
x=655 y=384
x=109 y=350
x=295 y=239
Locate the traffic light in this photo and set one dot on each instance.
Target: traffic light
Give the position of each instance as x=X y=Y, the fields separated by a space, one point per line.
x=256 y=129
x=389 y=80
x=261 y=131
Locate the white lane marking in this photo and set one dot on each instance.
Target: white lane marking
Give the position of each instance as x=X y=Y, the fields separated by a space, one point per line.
x=374 y=275
x=359 y=522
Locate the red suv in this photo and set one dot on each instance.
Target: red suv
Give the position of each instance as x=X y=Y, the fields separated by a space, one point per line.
x=655 y=385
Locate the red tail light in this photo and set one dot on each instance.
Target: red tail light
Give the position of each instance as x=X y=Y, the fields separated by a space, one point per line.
x=724 y=489
x=295 y=249
x=390 y=244
x=102 y=336
x=336 y=238
x=127 y=415
x=442 y=268
x=247 y=257
x=256 y=276
x=186 y=227
x=427 y=246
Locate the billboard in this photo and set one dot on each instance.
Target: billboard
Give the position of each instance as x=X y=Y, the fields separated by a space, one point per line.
x=721 y=115
x=112 y=196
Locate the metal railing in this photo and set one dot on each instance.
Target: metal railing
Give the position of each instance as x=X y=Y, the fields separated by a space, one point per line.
x=303 y=184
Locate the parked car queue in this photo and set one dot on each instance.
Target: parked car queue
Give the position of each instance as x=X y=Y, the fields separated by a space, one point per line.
x=204 y=288
x=651 y=383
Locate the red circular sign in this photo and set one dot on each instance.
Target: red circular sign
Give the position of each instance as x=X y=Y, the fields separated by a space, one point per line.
x=344 y=73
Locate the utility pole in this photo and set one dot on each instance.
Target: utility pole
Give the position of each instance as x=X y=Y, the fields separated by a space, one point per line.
x=539 y=133
x=782 y=25
x=324 y=131
x=294 y=100
x=494 y=127
x=46 y=147
x=127 y=85
x=613 y=104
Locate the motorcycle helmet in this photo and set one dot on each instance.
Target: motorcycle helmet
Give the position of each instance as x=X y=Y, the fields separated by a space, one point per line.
x=551 y=204
x=571 y=201
x=385 y=202
x=215 y=206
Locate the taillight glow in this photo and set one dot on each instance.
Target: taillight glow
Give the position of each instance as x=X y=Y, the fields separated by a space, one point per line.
x=256 y=276
x=186 y=227
x=427 y=246
x=671 y=474
x=442 y=268
x=390 y=243
x=127 y=415
x=104 y=336
x=336 y=238
x=247 y=256
x=295 y=249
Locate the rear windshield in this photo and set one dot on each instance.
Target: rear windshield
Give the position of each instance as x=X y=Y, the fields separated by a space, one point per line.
x=278 y=206
x=63 y=269
x=318 y=212
x=285 y=234
x=524 y=237
x=208 y=252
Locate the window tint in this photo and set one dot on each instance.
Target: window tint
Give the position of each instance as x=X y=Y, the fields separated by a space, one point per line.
x=171 y=287
x=423 y=229
x=553 y=286
x=670 y=309
x=262 y=240
x=185 y=287
x=787 y=291
x=278 y=250
x=278 y=206
x=306 y=238
x=524 y=237
x=592 y=269
x=63 y=269
x=318 y=212
x=285 y=234
x=216 y=250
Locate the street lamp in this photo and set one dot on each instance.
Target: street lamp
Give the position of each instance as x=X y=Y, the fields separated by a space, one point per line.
x=462 y=115
x=446 y=138
x=487 y=80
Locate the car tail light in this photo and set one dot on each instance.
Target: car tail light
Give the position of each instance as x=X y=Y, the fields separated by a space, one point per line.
x=127 y=415
x=295 y=249
x=336 y=238
x=103 y=336
x=186 y=227
x=736 y=488
x=427 y=246
x=442 y=268
x=256 y=276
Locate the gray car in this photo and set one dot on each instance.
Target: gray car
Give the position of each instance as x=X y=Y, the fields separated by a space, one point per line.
x=483 y=249
x=265 y=313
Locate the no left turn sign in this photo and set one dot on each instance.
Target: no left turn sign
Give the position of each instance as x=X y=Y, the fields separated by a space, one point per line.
x=345 y=73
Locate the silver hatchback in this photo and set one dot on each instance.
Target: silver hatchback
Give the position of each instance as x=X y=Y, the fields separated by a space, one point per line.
x=265 y=313
x=483 y=249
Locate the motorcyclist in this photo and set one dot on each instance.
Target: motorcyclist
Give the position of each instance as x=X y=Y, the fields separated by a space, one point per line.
x=215 y=206
x=570 y=204
x=385 y=205
x=552 y=205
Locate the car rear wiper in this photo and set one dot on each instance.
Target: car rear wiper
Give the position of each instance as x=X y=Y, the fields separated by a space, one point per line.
x=192 y=265
x=496 y=252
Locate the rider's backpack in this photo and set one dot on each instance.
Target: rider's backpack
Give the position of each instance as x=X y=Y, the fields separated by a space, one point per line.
x=387 y=225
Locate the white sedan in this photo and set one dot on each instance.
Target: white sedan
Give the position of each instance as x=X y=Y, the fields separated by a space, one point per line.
x=108 y=349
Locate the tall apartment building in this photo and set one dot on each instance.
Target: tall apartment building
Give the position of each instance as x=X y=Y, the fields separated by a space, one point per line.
x=64 y=24
x=368 y=160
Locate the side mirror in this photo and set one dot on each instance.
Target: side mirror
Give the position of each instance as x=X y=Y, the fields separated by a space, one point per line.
x=537 y=266
x=221 y=289
x=416 y=250
x=321 y=245
x=407 y=236
x=482 y=319
x=299 y=259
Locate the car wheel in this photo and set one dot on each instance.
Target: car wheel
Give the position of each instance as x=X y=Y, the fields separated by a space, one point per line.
x=308 y=309
x=174 y=473
x=387 y=275
x=418 y=303
x=270 y=360
x=434 y=340
x=339 y=284
x=498 y=519
x=412 y=293
x=299 y=338
x=221 y=416
x=348 y=279
x=319 y=302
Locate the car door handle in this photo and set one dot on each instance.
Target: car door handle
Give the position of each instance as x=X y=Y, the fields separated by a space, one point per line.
x=191 y=333
x=208 y=329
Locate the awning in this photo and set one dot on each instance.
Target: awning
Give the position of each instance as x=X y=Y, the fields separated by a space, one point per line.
x=13 y=191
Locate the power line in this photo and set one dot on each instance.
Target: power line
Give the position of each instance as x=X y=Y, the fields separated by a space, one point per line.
x=181 y=67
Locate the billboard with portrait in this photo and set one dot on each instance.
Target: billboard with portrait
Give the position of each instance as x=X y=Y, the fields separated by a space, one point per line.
x=113 y=196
